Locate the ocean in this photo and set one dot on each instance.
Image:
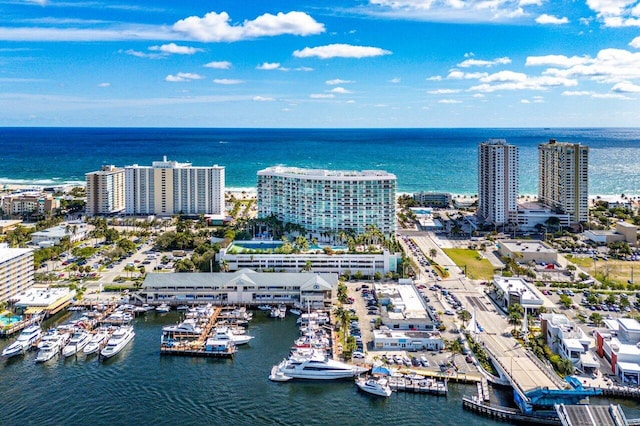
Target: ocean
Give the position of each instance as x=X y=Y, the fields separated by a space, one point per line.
x=422 y=159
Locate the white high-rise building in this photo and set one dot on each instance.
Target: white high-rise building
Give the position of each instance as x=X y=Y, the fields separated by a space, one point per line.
x=325 y=201
x=497 y=182
x=564 y=178
x=168 y=187
x=16 y=271
x=105 y=191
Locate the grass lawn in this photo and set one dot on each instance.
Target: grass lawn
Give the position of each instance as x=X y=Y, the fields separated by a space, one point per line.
x=477 y=268
x=616 y=270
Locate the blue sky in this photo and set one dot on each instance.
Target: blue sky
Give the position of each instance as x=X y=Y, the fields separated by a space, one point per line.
x=366 y=63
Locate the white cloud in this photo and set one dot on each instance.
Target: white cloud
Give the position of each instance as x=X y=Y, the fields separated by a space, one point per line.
x=575 y=93
x=635 y=43
x=123 y=32
x=449 y=101
x=478 y=95
x=104 y=85
x=508 y=80
x=40 y=2
x=182 y=76
x=609 y=66
x=262 y=99
x=596 y=95
x=340 y=90
x=453 y=10
x=227 y=81
x=503 y=76
x=321 y=96
x=551 y=20
x=139 y=54
x=459 y=75
x=626 y=87
x=483 y=63
x=616 y=13
x=557 y=60
x=214 y=27
x=340 y=51
x=351 y=101
x=443 y=91
x=337 y=81
x=395 y=80
x=304 y=69
x=434 y=78
x=219 y=65
x=175 y=49
x=525 y=101
x=268 y=66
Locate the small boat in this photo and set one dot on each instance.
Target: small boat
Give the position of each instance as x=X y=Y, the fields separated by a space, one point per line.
x=182 y=308
x=264 y=307
x=277 y=375
x=223 y=334
x=188 y=326
x=78 y=341
x=295 y=311
x=119 y=339
x=163 y=308
x=374 y=386
x=96 y=343
x=27 y=338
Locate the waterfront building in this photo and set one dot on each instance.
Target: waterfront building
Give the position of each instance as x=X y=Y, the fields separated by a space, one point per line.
x=497 y=182
x=619 y=343
x=325 y=202
x=29 y=203
x=405 y=309
x=16 y=271
x=565 y=338
x=433 y=199
x=76 y=231
x=564 y=179
x=43 y=300
x=510 y=290
x=245 y=287
x=407 y=340
x=105 y=191
x=167 y=187
x=235 y=257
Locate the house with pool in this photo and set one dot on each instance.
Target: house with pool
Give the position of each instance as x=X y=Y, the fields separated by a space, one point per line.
x=266 y=256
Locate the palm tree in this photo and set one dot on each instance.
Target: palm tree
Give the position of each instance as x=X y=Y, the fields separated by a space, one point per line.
x=464 y=316
x=307 y=266
x=224 y=265
x=432 y=253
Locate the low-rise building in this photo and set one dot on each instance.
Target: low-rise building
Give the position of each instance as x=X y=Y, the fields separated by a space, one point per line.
x=317 y=260
x=525 y=251
x=244 y=287
x=43 y=300
x=386 y=339
x=8 y=225
x=510 y=290
x=405 y=308
x=565 y=338
x=433 y=199
x=532 y=214
x=16 y=271
x=76 y=231
x=30 y=203
x=619 y=343
x=624 y=231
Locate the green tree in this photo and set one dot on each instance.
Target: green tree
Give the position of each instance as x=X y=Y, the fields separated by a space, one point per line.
x=342 y=293
x=565 y=300
x=464 y=316
x=596 y=318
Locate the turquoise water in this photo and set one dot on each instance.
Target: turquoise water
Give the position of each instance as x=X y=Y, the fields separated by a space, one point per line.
x=422 y=159
x=5 y=321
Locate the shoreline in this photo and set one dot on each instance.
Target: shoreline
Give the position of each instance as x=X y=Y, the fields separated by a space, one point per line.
x=251 y=192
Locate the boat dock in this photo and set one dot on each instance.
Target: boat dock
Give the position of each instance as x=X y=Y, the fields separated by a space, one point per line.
x=421 y=385
x=20 y=325
x=199 y=346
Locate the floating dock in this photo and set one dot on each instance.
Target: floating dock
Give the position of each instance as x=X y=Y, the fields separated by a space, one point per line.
x=418 y=385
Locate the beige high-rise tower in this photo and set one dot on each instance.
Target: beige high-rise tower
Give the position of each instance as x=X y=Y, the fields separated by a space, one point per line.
x=497 y=182
x=105 y=191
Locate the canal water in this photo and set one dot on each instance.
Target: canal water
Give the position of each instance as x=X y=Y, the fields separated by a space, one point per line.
x=138 y=386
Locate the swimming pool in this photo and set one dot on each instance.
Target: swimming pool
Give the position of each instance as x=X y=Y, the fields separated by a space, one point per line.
x=5 y=321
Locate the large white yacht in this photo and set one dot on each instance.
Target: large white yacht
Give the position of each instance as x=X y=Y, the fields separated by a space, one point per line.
x=224 y=333
x=119 y=339
x=50 y=348
x=77 y=342
x=97 y=341
x=317 y=366
x=27 y=338
x=188 y=326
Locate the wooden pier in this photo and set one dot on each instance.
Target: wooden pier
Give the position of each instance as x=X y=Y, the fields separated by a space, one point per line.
x=423 y=385
x=196 y=345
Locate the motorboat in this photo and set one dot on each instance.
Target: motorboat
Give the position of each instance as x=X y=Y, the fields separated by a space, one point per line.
x=27 y=338
x=295 y=311
x=120 y=338
x=224 y=333
x=97 y=342
x=278 y=312
x=264 y=307
x=50 y=348
x=163 y=308
x=54 y=335
x=182 y=308
x=78 y=341
x=278 y=376
x=188 y=326
x=375 y=386
x=317 y=366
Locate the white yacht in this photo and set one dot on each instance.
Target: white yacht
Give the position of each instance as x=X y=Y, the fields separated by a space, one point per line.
x=317 y=366
x=295 y=311
x=119 y=339
x=188 y=326
x=163 y=308
x=224 y=333
x=50 y=348
x=97 y=341
x=264 y=307
x=277 y=375
x=54 y=335
x=27 y=338
x=375 y=386
x=78 y=341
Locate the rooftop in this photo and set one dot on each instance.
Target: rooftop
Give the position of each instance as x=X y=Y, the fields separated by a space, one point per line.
x=528 y=246
x=518 y=285
x=42 y=297
x=7 y=254
x=323 y=173
x=405 y=299
x=406 y=334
